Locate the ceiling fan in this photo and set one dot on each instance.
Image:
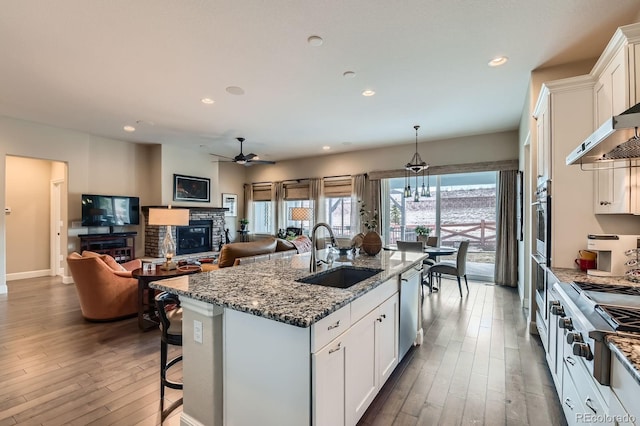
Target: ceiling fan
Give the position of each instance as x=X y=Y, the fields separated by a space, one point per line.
x=245 y=160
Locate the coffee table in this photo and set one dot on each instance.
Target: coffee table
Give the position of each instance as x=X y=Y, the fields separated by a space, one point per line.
x=147 y=316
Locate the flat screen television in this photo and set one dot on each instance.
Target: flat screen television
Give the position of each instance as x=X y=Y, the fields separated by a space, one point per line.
x=110 y=210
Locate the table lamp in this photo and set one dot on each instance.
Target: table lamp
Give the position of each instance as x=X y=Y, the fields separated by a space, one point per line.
x=168 y=217
x=301 y=214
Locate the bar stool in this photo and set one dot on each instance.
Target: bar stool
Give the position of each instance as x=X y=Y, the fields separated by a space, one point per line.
x=170 y=314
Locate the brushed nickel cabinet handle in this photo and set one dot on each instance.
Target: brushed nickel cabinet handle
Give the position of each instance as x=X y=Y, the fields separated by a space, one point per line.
x=332 y=326
x=589 y=404
x=336 y=349
x=570 y=360
x=569 y=404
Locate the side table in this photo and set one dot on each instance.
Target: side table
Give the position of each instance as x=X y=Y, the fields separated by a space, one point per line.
x=146 y=306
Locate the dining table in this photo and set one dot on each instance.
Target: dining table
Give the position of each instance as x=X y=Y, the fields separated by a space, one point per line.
x=433 y=252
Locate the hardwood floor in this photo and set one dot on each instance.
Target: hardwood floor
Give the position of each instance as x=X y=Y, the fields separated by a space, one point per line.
x=478 y=365
x=59 y=369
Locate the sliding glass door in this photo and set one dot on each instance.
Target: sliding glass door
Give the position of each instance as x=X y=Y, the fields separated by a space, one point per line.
x=461 y=207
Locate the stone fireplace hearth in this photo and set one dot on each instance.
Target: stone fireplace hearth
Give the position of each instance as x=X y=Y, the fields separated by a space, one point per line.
x=154 y=235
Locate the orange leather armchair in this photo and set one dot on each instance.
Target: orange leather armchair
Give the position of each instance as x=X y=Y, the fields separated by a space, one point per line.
x=106 y=290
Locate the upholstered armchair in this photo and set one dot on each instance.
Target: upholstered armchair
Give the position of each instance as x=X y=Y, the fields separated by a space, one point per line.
x=106 y=289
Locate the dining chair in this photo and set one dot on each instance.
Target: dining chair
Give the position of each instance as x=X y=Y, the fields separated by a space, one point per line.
x=412 y=246
x=459 y=269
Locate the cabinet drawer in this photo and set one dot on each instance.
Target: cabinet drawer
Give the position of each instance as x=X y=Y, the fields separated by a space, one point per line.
x=589 y=396
x=330 y=327
x=371 y=300
x=570 y=399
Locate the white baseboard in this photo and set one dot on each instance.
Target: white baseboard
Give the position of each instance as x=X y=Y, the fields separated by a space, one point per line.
x=187 y=420
x=67 y=279
x=28 y=274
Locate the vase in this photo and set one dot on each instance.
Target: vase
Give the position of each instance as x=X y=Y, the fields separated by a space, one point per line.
x=372 y=243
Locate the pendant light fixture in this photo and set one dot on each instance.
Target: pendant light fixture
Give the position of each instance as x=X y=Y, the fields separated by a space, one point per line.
x=416 y=165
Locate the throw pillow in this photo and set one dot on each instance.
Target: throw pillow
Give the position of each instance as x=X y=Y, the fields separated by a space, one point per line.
x=111 y=262
x=303 y=244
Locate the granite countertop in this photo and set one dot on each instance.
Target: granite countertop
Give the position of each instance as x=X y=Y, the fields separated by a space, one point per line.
x=627 y=350
x=567 y=275
x=269 y=289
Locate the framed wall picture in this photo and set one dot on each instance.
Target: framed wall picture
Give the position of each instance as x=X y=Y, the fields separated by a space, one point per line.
x=191 y=188
x=230 y=201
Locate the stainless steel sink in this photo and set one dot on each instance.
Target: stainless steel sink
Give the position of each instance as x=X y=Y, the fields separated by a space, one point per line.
x=341 y=277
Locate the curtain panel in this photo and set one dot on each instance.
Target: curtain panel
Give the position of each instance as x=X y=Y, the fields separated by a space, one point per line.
x=506 y=265
x=358 y=187
x=316 y=194
x=280 y=216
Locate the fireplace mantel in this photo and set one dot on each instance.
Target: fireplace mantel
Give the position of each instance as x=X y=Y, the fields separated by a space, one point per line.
x=195 y=208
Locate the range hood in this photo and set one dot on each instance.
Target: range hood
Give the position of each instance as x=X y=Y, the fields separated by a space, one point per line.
x=616 y=139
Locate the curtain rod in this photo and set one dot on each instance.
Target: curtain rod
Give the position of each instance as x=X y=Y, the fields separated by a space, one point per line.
x=301 y=180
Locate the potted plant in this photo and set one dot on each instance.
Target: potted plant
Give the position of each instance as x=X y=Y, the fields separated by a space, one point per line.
x=422 y=230
x=372 y=243
x=243 y=223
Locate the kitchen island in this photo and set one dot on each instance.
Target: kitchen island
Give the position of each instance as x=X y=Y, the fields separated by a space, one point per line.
x=262 y=348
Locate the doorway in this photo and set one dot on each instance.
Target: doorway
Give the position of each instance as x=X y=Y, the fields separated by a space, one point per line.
x=36 y=194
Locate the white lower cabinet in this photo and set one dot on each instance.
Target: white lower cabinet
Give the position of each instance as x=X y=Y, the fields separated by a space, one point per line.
x=351 y=369
x=387 y=327
x=328 y=378
x=625 y=389
x=361 y=372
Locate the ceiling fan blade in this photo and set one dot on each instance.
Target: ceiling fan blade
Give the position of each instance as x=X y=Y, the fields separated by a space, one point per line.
x=222 y=156
x=261 y=162
x=250 y=156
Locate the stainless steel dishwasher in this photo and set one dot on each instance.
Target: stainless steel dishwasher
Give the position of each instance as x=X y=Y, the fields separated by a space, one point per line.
x=410 y=327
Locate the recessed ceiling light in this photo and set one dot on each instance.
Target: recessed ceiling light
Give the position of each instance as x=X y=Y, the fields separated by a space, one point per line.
x=315 y=40
x=498 y=60
x=368 y=93
x=348 y=74
x=326 y=147
x=129 y=129
x=207 y=101
x=235 y=90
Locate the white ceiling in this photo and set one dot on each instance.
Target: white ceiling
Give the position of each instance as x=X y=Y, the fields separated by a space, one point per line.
x=97 y=65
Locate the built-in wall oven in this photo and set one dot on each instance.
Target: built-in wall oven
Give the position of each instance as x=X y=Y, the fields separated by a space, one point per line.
x=542 y=256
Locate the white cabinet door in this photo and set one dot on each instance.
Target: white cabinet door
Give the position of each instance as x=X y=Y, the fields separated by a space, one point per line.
x=543 y=141
x=361 y=373
x=328 y=378
x=387 y=338
x=612 y=91
x=613 y=188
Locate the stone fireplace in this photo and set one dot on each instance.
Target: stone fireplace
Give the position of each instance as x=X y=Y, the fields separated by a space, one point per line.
x=201 y=220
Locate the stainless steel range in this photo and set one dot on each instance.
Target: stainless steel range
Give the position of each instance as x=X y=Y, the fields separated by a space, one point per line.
x=590 y=312
x=581 y=315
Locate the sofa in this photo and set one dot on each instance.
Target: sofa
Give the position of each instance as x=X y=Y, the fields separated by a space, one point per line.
x=233 y=254
x=106 y=289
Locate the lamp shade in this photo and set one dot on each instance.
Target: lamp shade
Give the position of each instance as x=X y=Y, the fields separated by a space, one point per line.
x=301 y=213
x=175 y=217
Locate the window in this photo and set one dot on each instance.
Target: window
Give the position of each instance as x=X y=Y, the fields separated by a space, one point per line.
x=461 y=207
x=338 y=215
x=262 y=218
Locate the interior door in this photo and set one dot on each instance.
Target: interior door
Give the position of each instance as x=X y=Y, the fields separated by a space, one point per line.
x=56 y=228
